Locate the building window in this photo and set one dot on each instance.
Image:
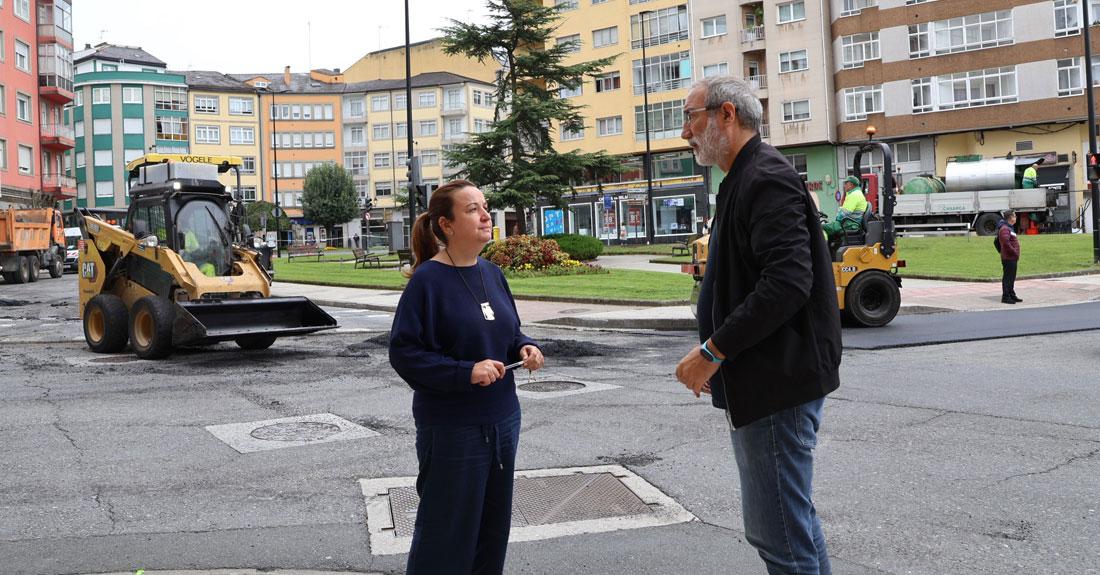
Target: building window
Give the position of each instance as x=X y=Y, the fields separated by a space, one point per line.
x=793 y=61
x=171 y=128
x=131 y=95
x=381 y=132
x=799 y=163
x=426 y=99
x=609 y=126
x=973 y=32
x=977 y=88
x=674 y=215
x=206 y=104
x=906 y=151
x=482 y=98
x=1067 y=17
x=129 y=155
x=605 y=37
x=662 y=26
x=105 y=189
x=26 y=159
x=101 y=126
x=208 y=134
x=247 y=193
x=1069 y=77
x=862 y=100
x=80 y=159
x=103 y=158
x=240 y=106
x=455 y=128
x=399 y=101
x=428 y=128
x=666 y=120
x=400 y=130
x=714 y=26
x=356 y=163
x=570 y=44
x=858 y=48
x=242 y=135
x=791 y=12
x=429 y=157
x=357 y=136
x=401 y=158
x=565 y=5
x=132 y=125
x=713 y=69
x=22 y=9
x=23 y=56
x=481 y=126
x=796 y=111
x=78 y=129
x=663 y=73
x=101 y=95
x=607 y=82
x=165 y=98
x=571 y=135
x=23 y=107
x=853 y=7
x=379 y=103
x=453 y=99
x=382 y=160
x=248 y=165
x=922 y=95
x=355 y=108
x=571 y=92
x=259 y=84
x=78 y=95
x=383 y=188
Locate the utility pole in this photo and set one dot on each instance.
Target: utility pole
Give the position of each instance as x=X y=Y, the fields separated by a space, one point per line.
x=1092 y=132
x=645 y=114
x=409 y=115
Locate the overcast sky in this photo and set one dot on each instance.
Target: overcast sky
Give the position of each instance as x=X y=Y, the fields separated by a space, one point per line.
x=253 y=36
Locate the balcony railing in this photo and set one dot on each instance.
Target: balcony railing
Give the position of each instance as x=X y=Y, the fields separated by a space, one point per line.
x=663 y=86
x=58 y=181
x=765 y=131
x=758 y=82
x=50 y=30
x=752 y=34
x=55 y=81
x=56 y=131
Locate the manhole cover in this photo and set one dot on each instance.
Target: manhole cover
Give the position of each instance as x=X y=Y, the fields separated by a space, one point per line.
x=548 y=386
x=574 y=310
x=124 y=359
x=296 y=431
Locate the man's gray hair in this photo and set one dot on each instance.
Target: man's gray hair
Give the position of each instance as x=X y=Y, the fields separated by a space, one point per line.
x=722 y=88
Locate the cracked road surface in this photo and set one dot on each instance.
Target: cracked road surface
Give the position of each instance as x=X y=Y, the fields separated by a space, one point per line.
x=978 y=457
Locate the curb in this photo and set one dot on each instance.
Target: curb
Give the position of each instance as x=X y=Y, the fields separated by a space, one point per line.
x=556 y=298
x=668 y=324
x=1053 y=275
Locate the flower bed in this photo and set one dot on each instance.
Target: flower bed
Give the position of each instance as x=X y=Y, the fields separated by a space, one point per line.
x=528 y=256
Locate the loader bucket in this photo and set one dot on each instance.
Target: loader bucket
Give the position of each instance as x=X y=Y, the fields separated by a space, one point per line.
x=207 y=321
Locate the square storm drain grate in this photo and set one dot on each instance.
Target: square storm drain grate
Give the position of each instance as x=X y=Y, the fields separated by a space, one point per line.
x=288 y=432
x=547 y=503
x=546 y=388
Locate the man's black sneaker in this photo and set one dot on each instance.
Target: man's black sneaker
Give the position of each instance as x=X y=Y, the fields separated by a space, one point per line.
x=1007 y=300
x=1018 y=300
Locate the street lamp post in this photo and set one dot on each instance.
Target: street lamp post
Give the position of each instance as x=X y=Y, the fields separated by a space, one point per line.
x=1093 y=186
x=645 y=114
x=275 y=172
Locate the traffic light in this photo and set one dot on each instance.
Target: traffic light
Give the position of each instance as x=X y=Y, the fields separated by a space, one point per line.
x=413 y=175
x=369 y=205
x=1093 y=168
x=422 y=196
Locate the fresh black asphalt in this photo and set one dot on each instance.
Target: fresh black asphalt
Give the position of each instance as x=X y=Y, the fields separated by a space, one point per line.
x=931 y=329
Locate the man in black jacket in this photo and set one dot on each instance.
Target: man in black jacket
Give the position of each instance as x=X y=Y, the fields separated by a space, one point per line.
x=768 y=322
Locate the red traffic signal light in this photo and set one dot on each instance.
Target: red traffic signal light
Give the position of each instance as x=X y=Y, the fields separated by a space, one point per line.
x=1093 y=167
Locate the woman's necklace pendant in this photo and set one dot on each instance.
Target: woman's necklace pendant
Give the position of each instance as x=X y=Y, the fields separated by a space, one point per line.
x=487 y=311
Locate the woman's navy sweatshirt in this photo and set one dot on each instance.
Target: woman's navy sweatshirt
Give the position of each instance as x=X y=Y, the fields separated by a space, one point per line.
x=439 y=333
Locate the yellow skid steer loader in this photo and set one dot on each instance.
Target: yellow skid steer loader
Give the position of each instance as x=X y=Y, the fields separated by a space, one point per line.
x=185 y=268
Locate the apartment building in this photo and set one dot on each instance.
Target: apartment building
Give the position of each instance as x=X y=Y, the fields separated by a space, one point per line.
x=126 y=105
x=951 y=78
x=36 y=88
x=225 y=121
x=425 y=57
x=651 y=43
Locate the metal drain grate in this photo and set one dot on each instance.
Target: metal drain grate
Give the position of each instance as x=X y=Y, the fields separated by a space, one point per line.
x=116 y=359
x=542 y=501
x=550 y=386
x=296 y=431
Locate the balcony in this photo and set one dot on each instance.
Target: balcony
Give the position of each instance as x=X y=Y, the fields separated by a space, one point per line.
x=49 y=32
x=663 y=85
x=453 y=109
x=60 y=186
x=757 y=82
x=57 y=136
x=765 y=131
x=754 y=34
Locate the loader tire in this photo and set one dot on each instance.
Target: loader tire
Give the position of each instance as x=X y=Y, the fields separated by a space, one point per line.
x=872 y=299
x=21 y=274
x=151 y=322
x=33 y=269
x=57 y=268
x=105 y=324
x=255 y=341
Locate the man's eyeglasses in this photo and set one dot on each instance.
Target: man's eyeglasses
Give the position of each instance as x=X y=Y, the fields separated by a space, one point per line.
x=688 y=113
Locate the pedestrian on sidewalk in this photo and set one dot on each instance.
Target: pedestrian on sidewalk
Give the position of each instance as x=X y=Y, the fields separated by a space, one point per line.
x=1010 y=256
x=768 y=322
x=455 y=328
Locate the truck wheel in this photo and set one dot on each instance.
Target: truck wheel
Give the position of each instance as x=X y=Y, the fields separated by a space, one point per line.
x=987 y=224
x=57 y=268
x=872 y=299
x=105 y=324
x=21 y=274
x=33 y=269
x=151 y=322
x=255 y=341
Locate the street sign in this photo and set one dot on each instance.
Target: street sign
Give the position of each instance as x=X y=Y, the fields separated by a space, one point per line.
x=607 y=202
x=366 y=216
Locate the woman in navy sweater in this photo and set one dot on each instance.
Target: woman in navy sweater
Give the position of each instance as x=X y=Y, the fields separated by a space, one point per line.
x=455 y=328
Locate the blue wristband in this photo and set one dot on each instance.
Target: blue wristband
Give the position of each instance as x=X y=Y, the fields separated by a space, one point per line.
x=708 y=354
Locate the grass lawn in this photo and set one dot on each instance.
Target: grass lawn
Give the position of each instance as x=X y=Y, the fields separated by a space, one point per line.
x=955 y=257
x=619 y=284
x=655 y=249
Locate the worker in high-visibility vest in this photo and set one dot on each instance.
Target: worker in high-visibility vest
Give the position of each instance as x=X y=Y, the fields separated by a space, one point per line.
x=851 y=211
x=1031 y=176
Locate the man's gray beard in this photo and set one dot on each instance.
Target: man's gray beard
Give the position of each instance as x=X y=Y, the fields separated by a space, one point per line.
x=710 y=145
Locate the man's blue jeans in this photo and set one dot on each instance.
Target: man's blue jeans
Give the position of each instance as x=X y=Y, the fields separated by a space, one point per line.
x=776 y=463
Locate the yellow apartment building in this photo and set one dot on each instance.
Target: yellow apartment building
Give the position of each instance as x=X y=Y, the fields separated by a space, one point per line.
x=225 y=121
x=426 y=56
x=613 y=103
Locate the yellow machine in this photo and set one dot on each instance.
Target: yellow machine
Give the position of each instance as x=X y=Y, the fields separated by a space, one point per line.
x=185 y=268
x=865 y=262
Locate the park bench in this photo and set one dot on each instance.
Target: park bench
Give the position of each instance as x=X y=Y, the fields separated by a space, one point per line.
x=364 y=259
x=404 y=257
x=684 y=248
x=304 y=251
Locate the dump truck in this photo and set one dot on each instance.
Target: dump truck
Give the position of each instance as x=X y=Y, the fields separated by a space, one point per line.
x=31 y=240
x=975 y=191
x=184 y=269
x=865 y=261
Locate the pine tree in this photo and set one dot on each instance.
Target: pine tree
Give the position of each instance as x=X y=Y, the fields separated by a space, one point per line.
x=328 y=196
x=515 y=163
